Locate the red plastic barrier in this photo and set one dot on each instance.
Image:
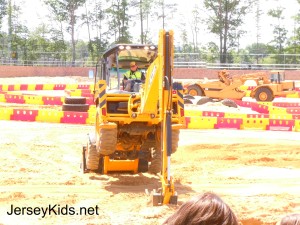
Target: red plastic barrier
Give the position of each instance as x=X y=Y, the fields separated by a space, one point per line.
x=293 y=110
x=259 y=108
x=229 y=123
x=296 y=116
x=39 y=87
x=187 y=121
x=243 y=103
x=90 y=101
x=24 y=87
x=282 y=125
x=24 y=114
x=83 y=86
x=286 y=104
x=86 y=93
x=74 y=117
x=213 y=114
x=52 y=100
x=258 y=115
x=59 y=87
x=14 y=98
x=11 y=87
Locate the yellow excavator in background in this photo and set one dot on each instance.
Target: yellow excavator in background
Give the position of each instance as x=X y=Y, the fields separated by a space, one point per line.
x=137 y=130
x=228 y=87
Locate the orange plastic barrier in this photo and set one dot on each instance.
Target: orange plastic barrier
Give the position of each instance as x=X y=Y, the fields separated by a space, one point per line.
x=2 y=97
x=50 y=116
x=5 y=113
x=195 y=122
x=255 y=123
x=280 y=124
x=277 y=110
x=33 y=99
x=297 y=125
x=24 y=115
x=229 y=123
x=91 y=116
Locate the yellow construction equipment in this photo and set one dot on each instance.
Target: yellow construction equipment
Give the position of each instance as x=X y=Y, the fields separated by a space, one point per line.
x=226 y=87
x=137 y=130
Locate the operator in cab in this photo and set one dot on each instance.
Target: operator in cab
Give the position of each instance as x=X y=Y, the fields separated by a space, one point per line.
x=132 y=76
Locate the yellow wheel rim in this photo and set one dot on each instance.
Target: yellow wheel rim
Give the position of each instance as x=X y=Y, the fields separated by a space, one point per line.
x=263 y=96
x=193 y=92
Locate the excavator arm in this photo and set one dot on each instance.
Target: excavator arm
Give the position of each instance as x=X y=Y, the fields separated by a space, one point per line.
x=166 y=194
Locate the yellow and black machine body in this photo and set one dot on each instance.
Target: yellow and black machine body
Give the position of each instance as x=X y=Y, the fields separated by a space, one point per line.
x=138 y=130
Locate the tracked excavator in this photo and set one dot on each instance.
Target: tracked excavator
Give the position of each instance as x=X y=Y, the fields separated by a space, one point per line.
x=137 y=130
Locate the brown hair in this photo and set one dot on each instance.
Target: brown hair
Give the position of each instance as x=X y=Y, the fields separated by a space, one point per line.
x=205 y=209
x=292 y=219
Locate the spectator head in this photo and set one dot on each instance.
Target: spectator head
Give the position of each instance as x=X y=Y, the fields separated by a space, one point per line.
x=291 y=219
x=205 y=209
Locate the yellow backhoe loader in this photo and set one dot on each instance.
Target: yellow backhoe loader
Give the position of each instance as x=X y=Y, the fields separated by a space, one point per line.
x=137 y=130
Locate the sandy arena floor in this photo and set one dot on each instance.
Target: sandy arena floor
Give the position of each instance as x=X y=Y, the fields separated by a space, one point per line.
x=256 y=172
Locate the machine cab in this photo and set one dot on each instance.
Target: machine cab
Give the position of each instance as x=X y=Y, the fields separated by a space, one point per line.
x=277 y=76
x=116 y=61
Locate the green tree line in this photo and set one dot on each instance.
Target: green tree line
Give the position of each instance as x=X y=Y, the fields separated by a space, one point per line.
x=107 y=22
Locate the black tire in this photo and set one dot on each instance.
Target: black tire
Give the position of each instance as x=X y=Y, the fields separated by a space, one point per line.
x=75 y=100
x=229 y=103
x=195 y=90
x=143 y=166
x=204 y=100
x=187 y=101
x=146 y=149
x=175 y=140
x=264 y=94
x=75 y=107
x=107 y=141
x=155 y=165
x=92 y=157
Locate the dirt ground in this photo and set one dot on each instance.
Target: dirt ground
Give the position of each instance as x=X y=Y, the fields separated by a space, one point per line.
x=256 y=172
